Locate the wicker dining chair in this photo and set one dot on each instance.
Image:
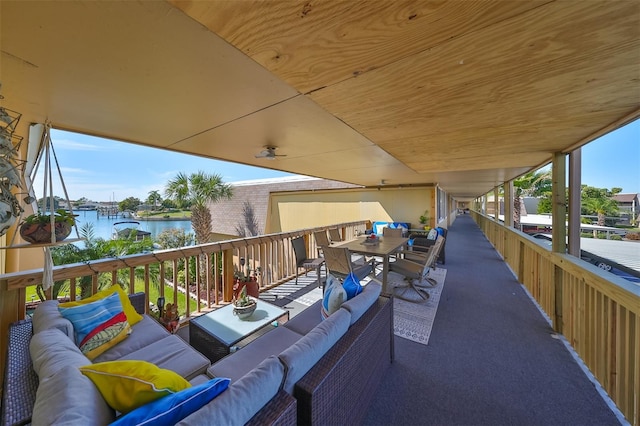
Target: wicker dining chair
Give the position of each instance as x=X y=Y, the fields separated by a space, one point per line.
x=302 y=259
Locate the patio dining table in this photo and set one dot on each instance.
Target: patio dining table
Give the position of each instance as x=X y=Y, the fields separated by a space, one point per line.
x=385 y=247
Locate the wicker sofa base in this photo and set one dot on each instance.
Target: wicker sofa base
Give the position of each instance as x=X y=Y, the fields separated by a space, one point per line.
x=21 y=382
x=350 y=371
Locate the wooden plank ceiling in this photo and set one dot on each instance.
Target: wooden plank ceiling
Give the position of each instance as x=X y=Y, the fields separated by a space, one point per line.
x=465 y=94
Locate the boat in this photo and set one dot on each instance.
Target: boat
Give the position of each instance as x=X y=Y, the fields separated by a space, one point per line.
x=129 y=229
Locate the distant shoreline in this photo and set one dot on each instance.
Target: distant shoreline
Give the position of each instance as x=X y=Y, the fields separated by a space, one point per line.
x=157 y=218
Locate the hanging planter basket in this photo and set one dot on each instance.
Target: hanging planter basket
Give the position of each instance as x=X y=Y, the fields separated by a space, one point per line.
x=40 y=233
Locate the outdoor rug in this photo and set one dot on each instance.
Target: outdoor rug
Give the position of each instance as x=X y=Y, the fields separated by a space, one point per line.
x=414 y=321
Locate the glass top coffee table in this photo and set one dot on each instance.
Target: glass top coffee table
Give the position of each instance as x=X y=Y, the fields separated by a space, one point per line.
x=215 y=333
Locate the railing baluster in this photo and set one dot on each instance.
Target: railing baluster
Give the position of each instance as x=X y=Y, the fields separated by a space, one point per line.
x=161 y=280
x=175 y=282
x=187 y=284
x=146 y=288
x=72 y=289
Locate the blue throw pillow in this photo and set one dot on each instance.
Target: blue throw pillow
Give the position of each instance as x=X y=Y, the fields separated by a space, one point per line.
x=171 y=409
x=98 y=325
x=352 y=286
x=334 y=296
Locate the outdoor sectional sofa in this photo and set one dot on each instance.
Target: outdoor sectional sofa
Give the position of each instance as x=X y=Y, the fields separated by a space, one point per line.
x=274 y=380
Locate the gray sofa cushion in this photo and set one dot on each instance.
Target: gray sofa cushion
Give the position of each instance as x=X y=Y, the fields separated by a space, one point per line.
x=51 y=350
x=48 y=316
x=306 y=352
x=143 y=334
x=70 y=398
x=306 y=320
x=236 y=365
x=199 y=379
x=362 y=302
x=244 y=397
x=172 y=353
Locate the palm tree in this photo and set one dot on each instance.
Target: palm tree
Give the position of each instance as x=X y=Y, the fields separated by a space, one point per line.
x=154 y=199
x=197 y=191
x=532 y=184
x=600 y=202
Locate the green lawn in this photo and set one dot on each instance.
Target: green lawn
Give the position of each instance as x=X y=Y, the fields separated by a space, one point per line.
x=154 y=293
x=178 y=213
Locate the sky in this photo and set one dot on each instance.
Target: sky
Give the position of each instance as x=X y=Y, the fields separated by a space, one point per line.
x=105 y=170
x=613 y=160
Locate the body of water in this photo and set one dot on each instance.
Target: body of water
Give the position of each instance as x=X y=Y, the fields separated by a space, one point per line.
x=103 y=226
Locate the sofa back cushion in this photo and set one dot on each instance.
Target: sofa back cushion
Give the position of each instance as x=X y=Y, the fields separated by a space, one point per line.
x=51 y=350
x=48 y=316
x=305 y=353
x=244 y=397
x=70 y=398
x=363 y=301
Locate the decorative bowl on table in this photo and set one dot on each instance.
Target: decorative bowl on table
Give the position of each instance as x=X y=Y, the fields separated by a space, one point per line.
x=244 y=312
x=371 y=240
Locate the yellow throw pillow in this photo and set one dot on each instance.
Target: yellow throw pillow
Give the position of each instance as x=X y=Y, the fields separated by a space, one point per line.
x=132 y=315
x=127 y=385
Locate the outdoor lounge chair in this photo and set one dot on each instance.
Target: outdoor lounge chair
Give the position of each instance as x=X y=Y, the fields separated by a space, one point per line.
x=416 y=273
x=303 y=261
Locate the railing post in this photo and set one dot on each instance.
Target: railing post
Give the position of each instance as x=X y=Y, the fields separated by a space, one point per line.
x=227 y=275
x=558 y=321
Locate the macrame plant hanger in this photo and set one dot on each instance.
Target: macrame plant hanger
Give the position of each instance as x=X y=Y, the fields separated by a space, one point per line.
x=47 y=154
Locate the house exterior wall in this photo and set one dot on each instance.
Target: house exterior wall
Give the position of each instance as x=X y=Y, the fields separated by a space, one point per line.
x=298 y=210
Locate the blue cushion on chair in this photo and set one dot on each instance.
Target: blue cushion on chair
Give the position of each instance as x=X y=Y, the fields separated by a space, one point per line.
x=171 y=409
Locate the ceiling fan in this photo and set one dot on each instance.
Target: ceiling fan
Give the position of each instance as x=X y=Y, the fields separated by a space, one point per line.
x=269 y=152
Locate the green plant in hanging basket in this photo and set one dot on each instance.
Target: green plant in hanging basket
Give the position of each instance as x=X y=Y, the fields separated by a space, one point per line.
x=36 y=228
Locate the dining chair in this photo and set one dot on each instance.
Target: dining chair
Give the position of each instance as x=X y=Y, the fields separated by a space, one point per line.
x=340 y=265
x=416 y=273
x=421 y=243
x=303 y=260
x=334 y=235
x=392 y=232
x=321 y=240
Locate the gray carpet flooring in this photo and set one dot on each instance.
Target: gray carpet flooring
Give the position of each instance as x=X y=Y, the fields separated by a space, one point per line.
x=492 y=358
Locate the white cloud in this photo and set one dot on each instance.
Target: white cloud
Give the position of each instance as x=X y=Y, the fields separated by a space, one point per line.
x=76 y=146
x=72 y=170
